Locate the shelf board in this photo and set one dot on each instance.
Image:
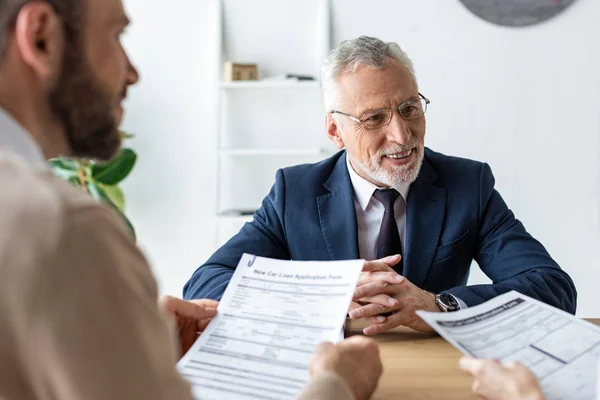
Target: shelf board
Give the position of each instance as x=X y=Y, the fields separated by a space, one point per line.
x=267 y=84
x=235 y=217
x=274 y=152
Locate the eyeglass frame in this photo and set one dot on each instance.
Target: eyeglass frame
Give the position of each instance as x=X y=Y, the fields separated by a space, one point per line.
x=361 y=121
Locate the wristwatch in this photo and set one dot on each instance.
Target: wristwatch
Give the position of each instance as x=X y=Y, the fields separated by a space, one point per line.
x=446 y=302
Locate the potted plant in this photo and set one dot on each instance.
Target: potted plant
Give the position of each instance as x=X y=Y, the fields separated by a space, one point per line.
x=100 y=180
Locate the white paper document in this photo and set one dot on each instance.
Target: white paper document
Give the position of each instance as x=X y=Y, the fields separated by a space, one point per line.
x=271 y=318
x=561 y=350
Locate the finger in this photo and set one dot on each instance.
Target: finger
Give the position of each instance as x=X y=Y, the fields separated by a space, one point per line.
x=353 y=306
x=319 y=358
x=471 y=365
x=358 y=341
x=476 y=386
x=323 y=348
x=183 y=324
x=377 y=287
x=370 y=310
x=399 y=318
x=386 y=276
x=377 y=328
x=167 y=302
x=205 y=303
x=202 y=324
x=177 y=306
x=511 y=364
x=381 y=299
x=379 y=319
x=204 y=313
x=186 y=309
x=382 y=264
x=187 y=336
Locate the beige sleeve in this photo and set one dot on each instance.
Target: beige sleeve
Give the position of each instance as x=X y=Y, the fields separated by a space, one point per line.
x=328 y=386
x=95 y=328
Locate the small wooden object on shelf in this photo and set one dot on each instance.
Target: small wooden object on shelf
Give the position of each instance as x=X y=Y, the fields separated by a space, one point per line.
x=240 y=72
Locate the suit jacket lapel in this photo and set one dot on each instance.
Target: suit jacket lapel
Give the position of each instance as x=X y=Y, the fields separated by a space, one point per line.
x=425 y=210
x=337 y=214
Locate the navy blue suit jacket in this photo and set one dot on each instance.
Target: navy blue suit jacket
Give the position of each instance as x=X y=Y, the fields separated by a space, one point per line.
x=454 y=216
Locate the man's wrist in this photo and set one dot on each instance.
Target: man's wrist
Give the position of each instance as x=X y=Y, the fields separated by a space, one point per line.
x=433 y=302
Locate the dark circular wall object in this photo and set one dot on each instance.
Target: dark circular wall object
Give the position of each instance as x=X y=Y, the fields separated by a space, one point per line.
x=516 y=12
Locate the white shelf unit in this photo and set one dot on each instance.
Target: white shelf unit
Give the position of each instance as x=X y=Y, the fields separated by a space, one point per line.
x=273 y=152
x=270 y=84
x=268 y=124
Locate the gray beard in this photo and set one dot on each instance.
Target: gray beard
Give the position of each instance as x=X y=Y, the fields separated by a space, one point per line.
x=402 y=175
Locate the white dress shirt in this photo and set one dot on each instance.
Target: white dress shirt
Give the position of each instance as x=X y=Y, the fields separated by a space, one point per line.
x=15 y=140
x=369 y=214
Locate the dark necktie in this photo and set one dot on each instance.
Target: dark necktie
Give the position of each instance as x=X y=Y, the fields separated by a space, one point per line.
x=388 y=241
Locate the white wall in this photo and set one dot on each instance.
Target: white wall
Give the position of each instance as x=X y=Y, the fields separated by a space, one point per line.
x=173 y=113
x=526 y=100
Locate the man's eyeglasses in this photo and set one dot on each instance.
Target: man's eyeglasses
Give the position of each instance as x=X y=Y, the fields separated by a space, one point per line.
x=375 y=119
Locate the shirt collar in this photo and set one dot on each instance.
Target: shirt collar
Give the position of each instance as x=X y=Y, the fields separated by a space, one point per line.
x=14 y=139
x=363 y=189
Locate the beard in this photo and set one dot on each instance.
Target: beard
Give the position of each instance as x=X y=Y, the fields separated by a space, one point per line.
x=398 y=175
x=84 y=108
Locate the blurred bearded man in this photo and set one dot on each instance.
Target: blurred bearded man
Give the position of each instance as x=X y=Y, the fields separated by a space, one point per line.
x=78 y=303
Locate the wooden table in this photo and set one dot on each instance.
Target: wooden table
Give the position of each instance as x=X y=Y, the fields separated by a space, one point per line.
x=418 y=366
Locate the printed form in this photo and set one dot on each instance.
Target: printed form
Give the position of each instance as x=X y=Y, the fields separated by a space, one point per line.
x=561 y=350
x=271 y=318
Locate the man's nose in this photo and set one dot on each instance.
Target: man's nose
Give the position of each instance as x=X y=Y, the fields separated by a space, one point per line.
x=398 y=130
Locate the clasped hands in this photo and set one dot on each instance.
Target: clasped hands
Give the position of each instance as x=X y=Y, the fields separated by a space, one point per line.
x=381 y=290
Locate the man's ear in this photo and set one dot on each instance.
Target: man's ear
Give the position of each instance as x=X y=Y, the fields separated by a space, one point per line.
x=333 y=131
x=39 y=39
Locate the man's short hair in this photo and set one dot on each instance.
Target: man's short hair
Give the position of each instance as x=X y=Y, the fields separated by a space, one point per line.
x=70 y=11
x=350 y=55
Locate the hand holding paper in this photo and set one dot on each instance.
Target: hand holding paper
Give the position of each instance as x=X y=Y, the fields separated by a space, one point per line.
x=356 y=360
x=190 y=316
x=270 y=320
x=560 y=350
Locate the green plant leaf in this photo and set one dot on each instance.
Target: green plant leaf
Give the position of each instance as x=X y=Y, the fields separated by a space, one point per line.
x=74 y=180
x=115 y=194
x=126 y=135
x=127 y=223
x=64 y=163
x=100 y=194
x=64 y=174
x=64 y=168
x=116 y=170
x=100 y=179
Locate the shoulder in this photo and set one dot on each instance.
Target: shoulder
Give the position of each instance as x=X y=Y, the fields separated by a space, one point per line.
x=46 y=220
x=450 y=168
x=30 y=207
x=315 y=173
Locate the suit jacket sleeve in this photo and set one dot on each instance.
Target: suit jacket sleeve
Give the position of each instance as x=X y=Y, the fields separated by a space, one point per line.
x=264 y=236
x=512 y=258
x=94 y=327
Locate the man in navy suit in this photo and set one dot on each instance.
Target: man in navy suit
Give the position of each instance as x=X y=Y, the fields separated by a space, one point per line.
x=386 y=195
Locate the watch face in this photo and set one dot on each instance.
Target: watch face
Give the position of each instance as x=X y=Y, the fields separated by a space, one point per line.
x=449 y=301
